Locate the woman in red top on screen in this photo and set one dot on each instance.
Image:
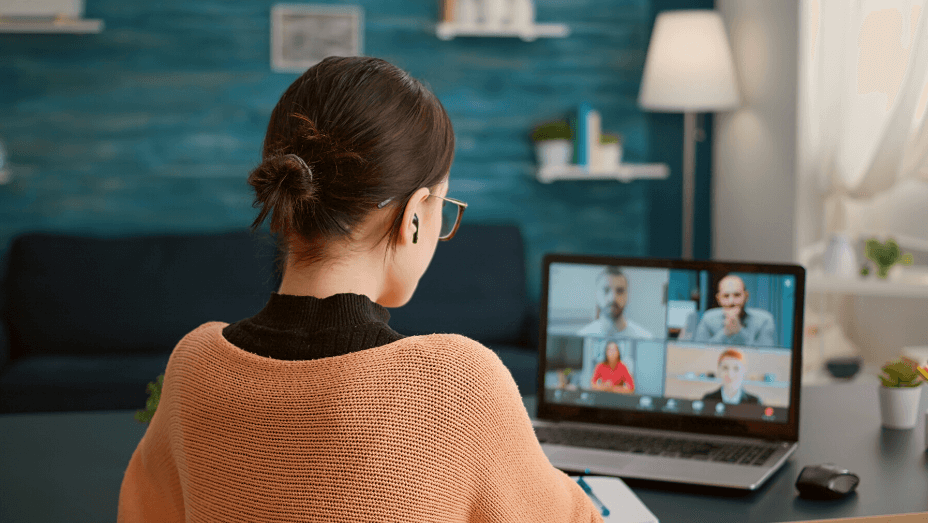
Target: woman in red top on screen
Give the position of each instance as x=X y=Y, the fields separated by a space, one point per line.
x=611 y=375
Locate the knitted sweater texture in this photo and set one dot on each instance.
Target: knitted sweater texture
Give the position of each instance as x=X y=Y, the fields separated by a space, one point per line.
x=425 y=428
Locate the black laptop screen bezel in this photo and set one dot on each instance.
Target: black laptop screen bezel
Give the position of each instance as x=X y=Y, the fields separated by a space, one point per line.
x=779 y=431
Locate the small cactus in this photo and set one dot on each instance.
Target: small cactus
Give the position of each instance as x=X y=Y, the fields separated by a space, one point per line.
x=901 y=372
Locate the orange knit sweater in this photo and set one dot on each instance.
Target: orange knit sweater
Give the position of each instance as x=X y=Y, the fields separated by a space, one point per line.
x=428 y=428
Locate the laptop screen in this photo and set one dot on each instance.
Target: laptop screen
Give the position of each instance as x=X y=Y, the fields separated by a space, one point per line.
x=707 y=341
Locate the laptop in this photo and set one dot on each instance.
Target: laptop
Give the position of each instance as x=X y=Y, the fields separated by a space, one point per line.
x=670 y=370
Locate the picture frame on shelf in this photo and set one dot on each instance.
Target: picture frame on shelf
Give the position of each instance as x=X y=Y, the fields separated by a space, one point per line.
x=302 y=35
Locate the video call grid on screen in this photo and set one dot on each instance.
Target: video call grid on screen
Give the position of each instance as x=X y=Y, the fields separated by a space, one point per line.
x=696 y=342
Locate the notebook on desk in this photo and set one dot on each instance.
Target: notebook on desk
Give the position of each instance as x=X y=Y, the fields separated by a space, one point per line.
x=670 y=370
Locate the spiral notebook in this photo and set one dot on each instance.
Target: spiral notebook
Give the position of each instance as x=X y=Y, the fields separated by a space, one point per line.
x=624 y=506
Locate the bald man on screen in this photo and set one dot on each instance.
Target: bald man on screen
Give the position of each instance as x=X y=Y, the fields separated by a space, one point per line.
x=733 y=323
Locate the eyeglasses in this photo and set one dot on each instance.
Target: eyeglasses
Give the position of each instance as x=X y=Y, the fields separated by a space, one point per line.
x=450 y=215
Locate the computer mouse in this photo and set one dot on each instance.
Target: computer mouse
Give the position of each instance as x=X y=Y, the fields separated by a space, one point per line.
x=827 y=481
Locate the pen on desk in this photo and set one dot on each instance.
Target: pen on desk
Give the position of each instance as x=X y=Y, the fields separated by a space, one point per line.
x=589 y=492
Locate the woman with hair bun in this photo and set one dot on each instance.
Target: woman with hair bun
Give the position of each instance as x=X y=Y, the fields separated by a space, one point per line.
x=315 y=409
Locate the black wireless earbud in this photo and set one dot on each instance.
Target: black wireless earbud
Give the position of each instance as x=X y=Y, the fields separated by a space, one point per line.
x=415 y=235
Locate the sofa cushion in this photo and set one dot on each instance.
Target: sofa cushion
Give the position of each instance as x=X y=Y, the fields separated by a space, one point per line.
x=474 y=286
x=81 y=295
x=67 y=383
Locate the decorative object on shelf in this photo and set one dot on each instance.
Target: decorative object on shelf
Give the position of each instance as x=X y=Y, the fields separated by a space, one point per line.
x=886 y=255
x=689 y=69
x=494 y=18
x=900 y=392
x=46 y=16
x=553 y=144
x=840 y=259
x=845 y=367
x=610 y=151
x=587 y=125
x=302 y=35
x=594 y=155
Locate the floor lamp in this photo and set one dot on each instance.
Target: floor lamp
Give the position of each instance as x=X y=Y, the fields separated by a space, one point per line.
x=689 y=69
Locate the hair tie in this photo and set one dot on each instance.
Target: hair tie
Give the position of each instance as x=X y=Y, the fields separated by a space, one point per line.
x=303 y=163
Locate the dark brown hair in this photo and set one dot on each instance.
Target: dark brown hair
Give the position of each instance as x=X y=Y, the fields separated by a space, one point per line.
x=606 y=351
x=348 y=134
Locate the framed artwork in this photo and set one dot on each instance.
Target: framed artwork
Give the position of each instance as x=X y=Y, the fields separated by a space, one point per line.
x=303 y=34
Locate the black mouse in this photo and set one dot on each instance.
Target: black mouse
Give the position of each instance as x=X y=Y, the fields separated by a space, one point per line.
x=826 y=481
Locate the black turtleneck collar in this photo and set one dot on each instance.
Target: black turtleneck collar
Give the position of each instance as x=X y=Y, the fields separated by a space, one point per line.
x=305 y=328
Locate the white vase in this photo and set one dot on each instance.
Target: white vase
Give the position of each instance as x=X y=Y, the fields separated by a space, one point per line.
x=899 y=406
x=554 y=153
x=840 y=258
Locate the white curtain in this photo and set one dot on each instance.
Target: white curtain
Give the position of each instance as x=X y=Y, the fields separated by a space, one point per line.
x=865 y=125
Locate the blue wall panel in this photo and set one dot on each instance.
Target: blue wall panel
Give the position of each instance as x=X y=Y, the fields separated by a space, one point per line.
x=153 y=124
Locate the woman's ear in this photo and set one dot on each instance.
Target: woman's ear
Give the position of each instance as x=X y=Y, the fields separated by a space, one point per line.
x=409 y=227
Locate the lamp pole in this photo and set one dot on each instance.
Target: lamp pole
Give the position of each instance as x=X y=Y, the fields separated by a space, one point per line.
x=689 y=182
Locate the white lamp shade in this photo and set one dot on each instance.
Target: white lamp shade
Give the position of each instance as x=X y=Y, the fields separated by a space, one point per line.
x=689 y=67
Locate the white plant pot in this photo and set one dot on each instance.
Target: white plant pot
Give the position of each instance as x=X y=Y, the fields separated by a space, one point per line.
x=611 y=155
x=554 y=153
x=899 y=406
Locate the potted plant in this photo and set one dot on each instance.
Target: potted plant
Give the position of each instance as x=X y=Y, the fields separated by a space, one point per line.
x=154 y=391
x=885 y=255
x=610 y=148
x=900 y=393
x=553 y=143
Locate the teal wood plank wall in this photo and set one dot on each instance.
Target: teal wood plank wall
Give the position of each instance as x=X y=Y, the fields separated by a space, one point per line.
x=153 y=125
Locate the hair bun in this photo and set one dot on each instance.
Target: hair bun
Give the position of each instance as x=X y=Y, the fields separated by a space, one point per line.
x=284 y=186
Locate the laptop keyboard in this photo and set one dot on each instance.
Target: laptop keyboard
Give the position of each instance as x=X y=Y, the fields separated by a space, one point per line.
x=656 y=446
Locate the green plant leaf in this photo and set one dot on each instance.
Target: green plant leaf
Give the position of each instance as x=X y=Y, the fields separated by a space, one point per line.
x=154 y=391
x=558 y=130
x=901 y=372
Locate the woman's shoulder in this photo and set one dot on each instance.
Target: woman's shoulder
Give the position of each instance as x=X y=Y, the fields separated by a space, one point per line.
x=451 y=347
x=209 y=333
x=469 y=359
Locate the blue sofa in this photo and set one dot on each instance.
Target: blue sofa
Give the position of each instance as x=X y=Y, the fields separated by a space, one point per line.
x=86 y=323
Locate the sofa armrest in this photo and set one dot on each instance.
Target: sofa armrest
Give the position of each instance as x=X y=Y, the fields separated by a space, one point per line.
x=4 y=347
x=4 y=334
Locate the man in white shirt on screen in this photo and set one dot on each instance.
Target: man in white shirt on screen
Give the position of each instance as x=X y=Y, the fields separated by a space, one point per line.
x=611 y=300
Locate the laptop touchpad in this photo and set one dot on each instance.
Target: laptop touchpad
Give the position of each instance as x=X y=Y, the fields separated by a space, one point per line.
x=573 y=457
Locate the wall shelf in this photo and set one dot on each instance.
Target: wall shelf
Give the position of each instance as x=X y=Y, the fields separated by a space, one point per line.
x=625 y=172
x=54 y=25
x=818 y=281
x=449 y=30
